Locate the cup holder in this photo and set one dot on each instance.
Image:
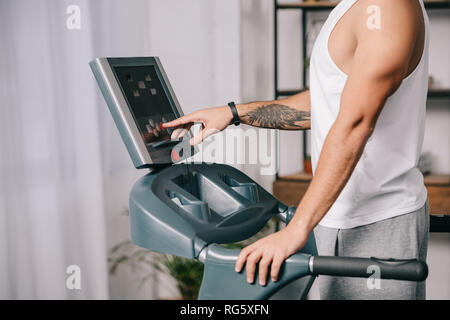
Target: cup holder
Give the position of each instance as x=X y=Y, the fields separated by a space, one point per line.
x=211 y=203
x=248 y=190
x=198 y=209
x=218 y=201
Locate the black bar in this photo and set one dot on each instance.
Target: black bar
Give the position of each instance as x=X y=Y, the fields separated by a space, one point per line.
x=412 y=270
x=275 y=46
x=322 y=7
x=437 y=4
x=439 y=93
x=275 y=58
x=439 y=224
x=304 y=46
x=285 y=93
x=433 y=93
x=304 y=54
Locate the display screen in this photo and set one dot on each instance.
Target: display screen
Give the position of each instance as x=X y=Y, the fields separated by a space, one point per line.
x=149 y=103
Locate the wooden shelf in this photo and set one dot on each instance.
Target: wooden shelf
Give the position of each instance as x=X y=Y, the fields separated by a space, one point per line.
x=437 y=180
x=310 y=5
x=291 y=188
x=300 y=176
x=432 y=93
x=327 y=5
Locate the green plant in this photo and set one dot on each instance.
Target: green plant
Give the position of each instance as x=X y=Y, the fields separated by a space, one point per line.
x=307 y=62
x=188 y=274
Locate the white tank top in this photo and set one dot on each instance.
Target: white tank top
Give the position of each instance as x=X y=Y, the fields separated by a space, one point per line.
x=386 y=181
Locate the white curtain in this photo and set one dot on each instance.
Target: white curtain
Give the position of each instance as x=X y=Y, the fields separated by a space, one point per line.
x=64 y=171
x=58 y=147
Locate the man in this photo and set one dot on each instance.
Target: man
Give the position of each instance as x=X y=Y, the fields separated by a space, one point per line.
x=366 y=110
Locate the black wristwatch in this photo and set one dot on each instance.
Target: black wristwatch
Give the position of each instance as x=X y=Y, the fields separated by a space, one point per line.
x=236 y=120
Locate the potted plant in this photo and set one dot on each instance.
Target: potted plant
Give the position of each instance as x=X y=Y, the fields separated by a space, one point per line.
x=307 y=165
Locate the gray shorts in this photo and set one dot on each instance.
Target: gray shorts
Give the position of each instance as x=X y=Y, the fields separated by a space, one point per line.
x=401 y=237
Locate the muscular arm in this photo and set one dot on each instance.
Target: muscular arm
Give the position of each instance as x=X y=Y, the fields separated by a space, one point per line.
x=292 y=113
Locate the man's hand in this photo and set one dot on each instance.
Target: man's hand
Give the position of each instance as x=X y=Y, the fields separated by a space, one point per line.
x=213 y=120
x=270 y=251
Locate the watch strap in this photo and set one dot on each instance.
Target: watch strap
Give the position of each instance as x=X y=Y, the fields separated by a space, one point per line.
x=236 y=120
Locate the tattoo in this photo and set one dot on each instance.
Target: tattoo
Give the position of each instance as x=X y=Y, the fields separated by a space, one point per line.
x=277 y=116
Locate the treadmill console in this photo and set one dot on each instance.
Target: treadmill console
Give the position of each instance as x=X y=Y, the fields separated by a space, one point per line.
x=140 y=99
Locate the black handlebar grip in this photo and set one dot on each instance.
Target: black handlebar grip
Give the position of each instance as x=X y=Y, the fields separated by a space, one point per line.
x=412 y=270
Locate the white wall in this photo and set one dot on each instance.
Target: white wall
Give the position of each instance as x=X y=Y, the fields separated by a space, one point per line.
x=191 y=38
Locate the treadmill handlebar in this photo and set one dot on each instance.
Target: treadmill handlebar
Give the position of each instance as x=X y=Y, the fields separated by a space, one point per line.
x=395 y=269
x=411 y=270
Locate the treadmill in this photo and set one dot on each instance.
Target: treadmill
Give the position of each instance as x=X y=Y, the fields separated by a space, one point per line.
x=190 y=209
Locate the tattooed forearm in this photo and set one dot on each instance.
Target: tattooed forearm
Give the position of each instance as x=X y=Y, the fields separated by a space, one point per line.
x=278 y=116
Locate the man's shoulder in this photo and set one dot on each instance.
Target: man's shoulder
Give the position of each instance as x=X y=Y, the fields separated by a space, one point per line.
x=386 y=34
x=388 y=20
